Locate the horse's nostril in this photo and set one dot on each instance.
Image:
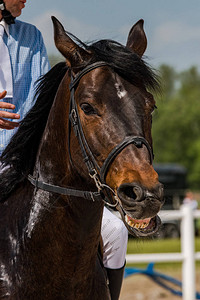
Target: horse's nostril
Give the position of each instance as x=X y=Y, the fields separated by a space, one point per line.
x=138 y=192
x=130 y=191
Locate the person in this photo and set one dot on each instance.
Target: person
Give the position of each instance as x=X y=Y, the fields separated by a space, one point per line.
x=26 y=62
x=115 y=239
x=189 y=200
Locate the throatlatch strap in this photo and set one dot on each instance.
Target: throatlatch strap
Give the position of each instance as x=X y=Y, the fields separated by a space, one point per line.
x=64 y=190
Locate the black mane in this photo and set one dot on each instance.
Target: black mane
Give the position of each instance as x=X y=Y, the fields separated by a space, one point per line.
x=21 y=152
x=125 y=62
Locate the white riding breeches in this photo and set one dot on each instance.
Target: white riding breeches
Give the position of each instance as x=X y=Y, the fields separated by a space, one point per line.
x=115 y=238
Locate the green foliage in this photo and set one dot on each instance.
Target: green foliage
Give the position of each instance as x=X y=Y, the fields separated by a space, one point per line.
x=168 y=76
x=176 y=124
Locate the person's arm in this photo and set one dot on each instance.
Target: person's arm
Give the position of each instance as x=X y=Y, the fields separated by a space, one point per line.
x=44 y=61
x=5 y=124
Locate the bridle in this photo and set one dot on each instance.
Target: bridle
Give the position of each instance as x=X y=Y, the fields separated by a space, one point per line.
x=98 y=174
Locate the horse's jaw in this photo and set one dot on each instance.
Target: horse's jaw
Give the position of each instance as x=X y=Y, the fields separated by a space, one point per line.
x=140 y=227
x=143 y=227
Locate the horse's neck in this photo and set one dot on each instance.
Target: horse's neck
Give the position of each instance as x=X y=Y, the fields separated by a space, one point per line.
x=51 y=159
x=63 y=236
x=56 y=250
x=68 y=229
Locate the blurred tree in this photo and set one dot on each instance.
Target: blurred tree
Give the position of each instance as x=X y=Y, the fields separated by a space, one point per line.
x=169 y=76
x=176 y=124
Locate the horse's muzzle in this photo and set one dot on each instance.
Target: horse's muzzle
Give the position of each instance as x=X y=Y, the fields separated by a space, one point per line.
x=140 y=206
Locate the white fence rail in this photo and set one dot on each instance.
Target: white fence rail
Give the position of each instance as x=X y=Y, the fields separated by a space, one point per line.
x=187 y=255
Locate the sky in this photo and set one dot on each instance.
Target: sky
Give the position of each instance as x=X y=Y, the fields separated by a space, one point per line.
x=172 y=26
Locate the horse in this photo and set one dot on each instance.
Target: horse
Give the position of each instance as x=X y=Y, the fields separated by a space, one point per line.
x=85 y=143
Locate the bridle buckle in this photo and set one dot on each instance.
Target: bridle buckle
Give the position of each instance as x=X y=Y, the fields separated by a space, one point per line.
x=96 y=179
x=100 y=186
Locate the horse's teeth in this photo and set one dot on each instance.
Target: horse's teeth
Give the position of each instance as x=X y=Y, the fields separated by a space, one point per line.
x=138 y=225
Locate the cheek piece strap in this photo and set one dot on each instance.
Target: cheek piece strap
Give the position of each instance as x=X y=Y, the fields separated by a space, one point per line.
x=9 y=19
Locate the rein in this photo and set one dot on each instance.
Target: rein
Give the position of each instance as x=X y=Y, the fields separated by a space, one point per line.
x=97 y=173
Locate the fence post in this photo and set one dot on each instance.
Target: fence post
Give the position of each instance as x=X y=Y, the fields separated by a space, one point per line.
x=187 y=245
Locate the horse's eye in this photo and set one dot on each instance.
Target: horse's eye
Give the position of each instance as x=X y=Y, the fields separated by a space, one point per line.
x=88 y=109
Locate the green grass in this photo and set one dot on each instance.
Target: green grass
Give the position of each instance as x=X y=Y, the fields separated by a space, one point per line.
x=158 y=246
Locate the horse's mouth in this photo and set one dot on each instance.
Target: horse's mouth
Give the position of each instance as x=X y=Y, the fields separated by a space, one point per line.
x=145 y=224
x=139 y=208
x=143 y=227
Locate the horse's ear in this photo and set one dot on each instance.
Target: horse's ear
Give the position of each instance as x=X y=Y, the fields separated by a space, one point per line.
x=137 y=40
x=74 y=54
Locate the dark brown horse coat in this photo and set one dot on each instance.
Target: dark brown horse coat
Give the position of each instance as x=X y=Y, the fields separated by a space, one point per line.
x=49 y=242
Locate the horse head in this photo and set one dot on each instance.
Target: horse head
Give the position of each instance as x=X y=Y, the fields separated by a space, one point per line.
x=112 y=102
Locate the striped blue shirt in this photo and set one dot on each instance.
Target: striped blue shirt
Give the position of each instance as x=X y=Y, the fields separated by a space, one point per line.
x=28 y=61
